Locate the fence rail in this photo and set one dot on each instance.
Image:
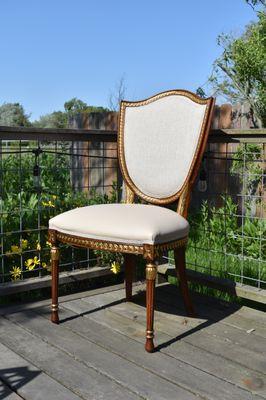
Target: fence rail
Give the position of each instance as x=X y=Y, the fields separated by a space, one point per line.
x=98 y=135
x=46 y=171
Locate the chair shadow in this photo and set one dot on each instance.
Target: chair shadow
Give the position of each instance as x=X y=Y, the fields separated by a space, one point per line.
x=14 y=378
x=114 y=303
x=203 y=307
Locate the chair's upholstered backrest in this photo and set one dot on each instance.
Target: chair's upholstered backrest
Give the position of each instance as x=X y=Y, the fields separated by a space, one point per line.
x=159 y=141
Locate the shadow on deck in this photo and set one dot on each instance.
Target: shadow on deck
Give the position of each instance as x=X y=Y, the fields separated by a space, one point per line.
x=97 y=350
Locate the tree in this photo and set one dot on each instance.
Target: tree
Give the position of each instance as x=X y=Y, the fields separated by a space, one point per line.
x=13 y=114
x=117 y=94
x=200 y=92
x=254 y=3
x=57 y=119
x=239 y=73
x=75 y=106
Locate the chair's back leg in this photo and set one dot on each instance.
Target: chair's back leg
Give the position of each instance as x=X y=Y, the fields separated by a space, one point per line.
x=151 y=271
x=180 y=265
x=130 y=261
x=55 y=273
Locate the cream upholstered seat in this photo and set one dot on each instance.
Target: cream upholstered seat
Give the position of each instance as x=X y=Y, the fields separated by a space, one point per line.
x=161 y=141
x=122 y=223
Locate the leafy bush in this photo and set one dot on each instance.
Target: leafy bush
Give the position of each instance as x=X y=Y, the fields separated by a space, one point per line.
x=222 y=243
x=26 y=207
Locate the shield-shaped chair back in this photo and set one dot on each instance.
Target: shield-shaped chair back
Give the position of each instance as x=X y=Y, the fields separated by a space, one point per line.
x=161 y=141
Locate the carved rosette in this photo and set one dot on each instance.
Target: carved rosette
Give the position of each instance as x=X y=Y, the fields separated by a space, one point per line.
x=52 y=236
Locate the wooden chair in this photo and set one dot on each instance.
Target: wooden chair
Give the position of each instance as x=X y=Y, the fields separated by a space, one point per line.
x=161 y=141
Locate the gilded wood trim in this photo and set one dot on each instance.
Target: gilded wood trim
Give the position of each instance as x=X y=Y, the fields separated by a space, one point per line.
x=198 y=153
x=95 y=244
x=130 y=197
x=52 y=236
x=170 y=245
x=54 y=307
x=183 y=202
x=149 y=251
x=151 y=271
x=54 y=254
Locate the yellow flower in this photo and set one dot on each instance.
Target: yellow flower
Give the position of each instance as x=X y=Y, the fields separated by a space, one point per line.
x=15 y=273
x=36 y=261
x=30 y=264
x=24 y=244
x=15 y=249
x=49 y=244
x=54 y=197
x=38 y=246
x=115 y=267
x=46 y=266
x=48 y=204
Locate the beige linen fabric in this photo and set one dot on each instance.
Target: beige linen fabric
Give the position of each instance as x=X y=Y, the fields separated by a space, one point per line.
x=122 y=223
x=160 y=140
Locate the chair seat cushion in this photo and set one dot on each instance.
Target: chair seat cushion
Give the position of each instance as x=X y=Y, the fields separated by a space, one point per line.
x=122 y=223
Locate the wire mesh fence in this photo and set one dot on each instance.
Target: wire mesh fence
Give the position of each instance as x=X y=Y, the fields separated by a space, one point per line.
x=39 y=179
x=228 y=214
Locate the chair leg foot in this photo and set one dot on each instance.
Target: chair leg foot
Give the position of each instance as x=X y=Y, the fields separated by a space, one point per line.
x=149 y=346
x=180 y=264
x=55 y=276
x=151 y=271
x=54 y=316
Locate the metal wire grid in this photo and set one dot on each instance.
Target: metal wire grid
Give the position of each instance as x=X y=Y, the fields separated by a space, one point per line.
x=234 y=174
x=245 y=185
x=33 y=170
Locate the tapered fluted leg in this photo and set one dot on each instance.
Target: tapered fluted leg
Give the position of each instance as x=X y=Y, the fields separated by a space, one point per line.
x=150 y=289
x=129 y=274
x=180 y=264
x=55 y=272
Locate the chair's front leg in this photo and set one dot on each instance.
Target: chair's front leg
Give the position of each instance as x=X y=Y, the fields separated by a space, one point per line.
x=151 y=271
x=55 y=272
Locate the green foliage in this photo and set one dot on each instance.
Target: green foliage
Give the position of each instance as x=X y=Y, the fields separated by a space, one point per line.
x=57 y=119
x=222 y=242
x=239 y=73
x=27 y=207
x=247 y=166
x=18 y=172
x=106 y=257
x=254 y=3
x=200 y=92
x=13 y=114
x=75 y=106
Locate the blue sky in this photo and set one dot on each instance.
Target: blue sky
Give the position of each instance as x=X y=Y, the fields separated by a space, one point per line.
x=53 y=50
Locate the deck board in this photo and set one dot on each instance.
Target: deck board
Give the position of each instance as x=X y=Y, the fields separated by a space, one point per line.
x=97 y=350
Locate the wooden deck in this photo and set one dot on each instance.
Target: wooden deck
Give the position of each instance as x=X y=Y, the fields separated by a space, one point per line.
x=97 y=351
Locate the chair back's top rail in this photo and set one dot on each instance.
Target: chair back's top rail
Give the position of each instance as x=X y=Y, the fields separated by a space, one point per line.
x=99 y=135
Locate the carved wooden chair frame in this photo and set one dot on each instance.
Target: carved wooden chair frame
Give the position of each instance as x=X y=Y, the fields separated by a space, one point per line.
x=149 y=252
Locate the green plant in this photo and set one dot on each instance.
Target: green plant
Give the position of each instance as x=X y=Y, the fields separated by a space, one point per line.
x=26 y=206
x=221 y=243
x=239 y=73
